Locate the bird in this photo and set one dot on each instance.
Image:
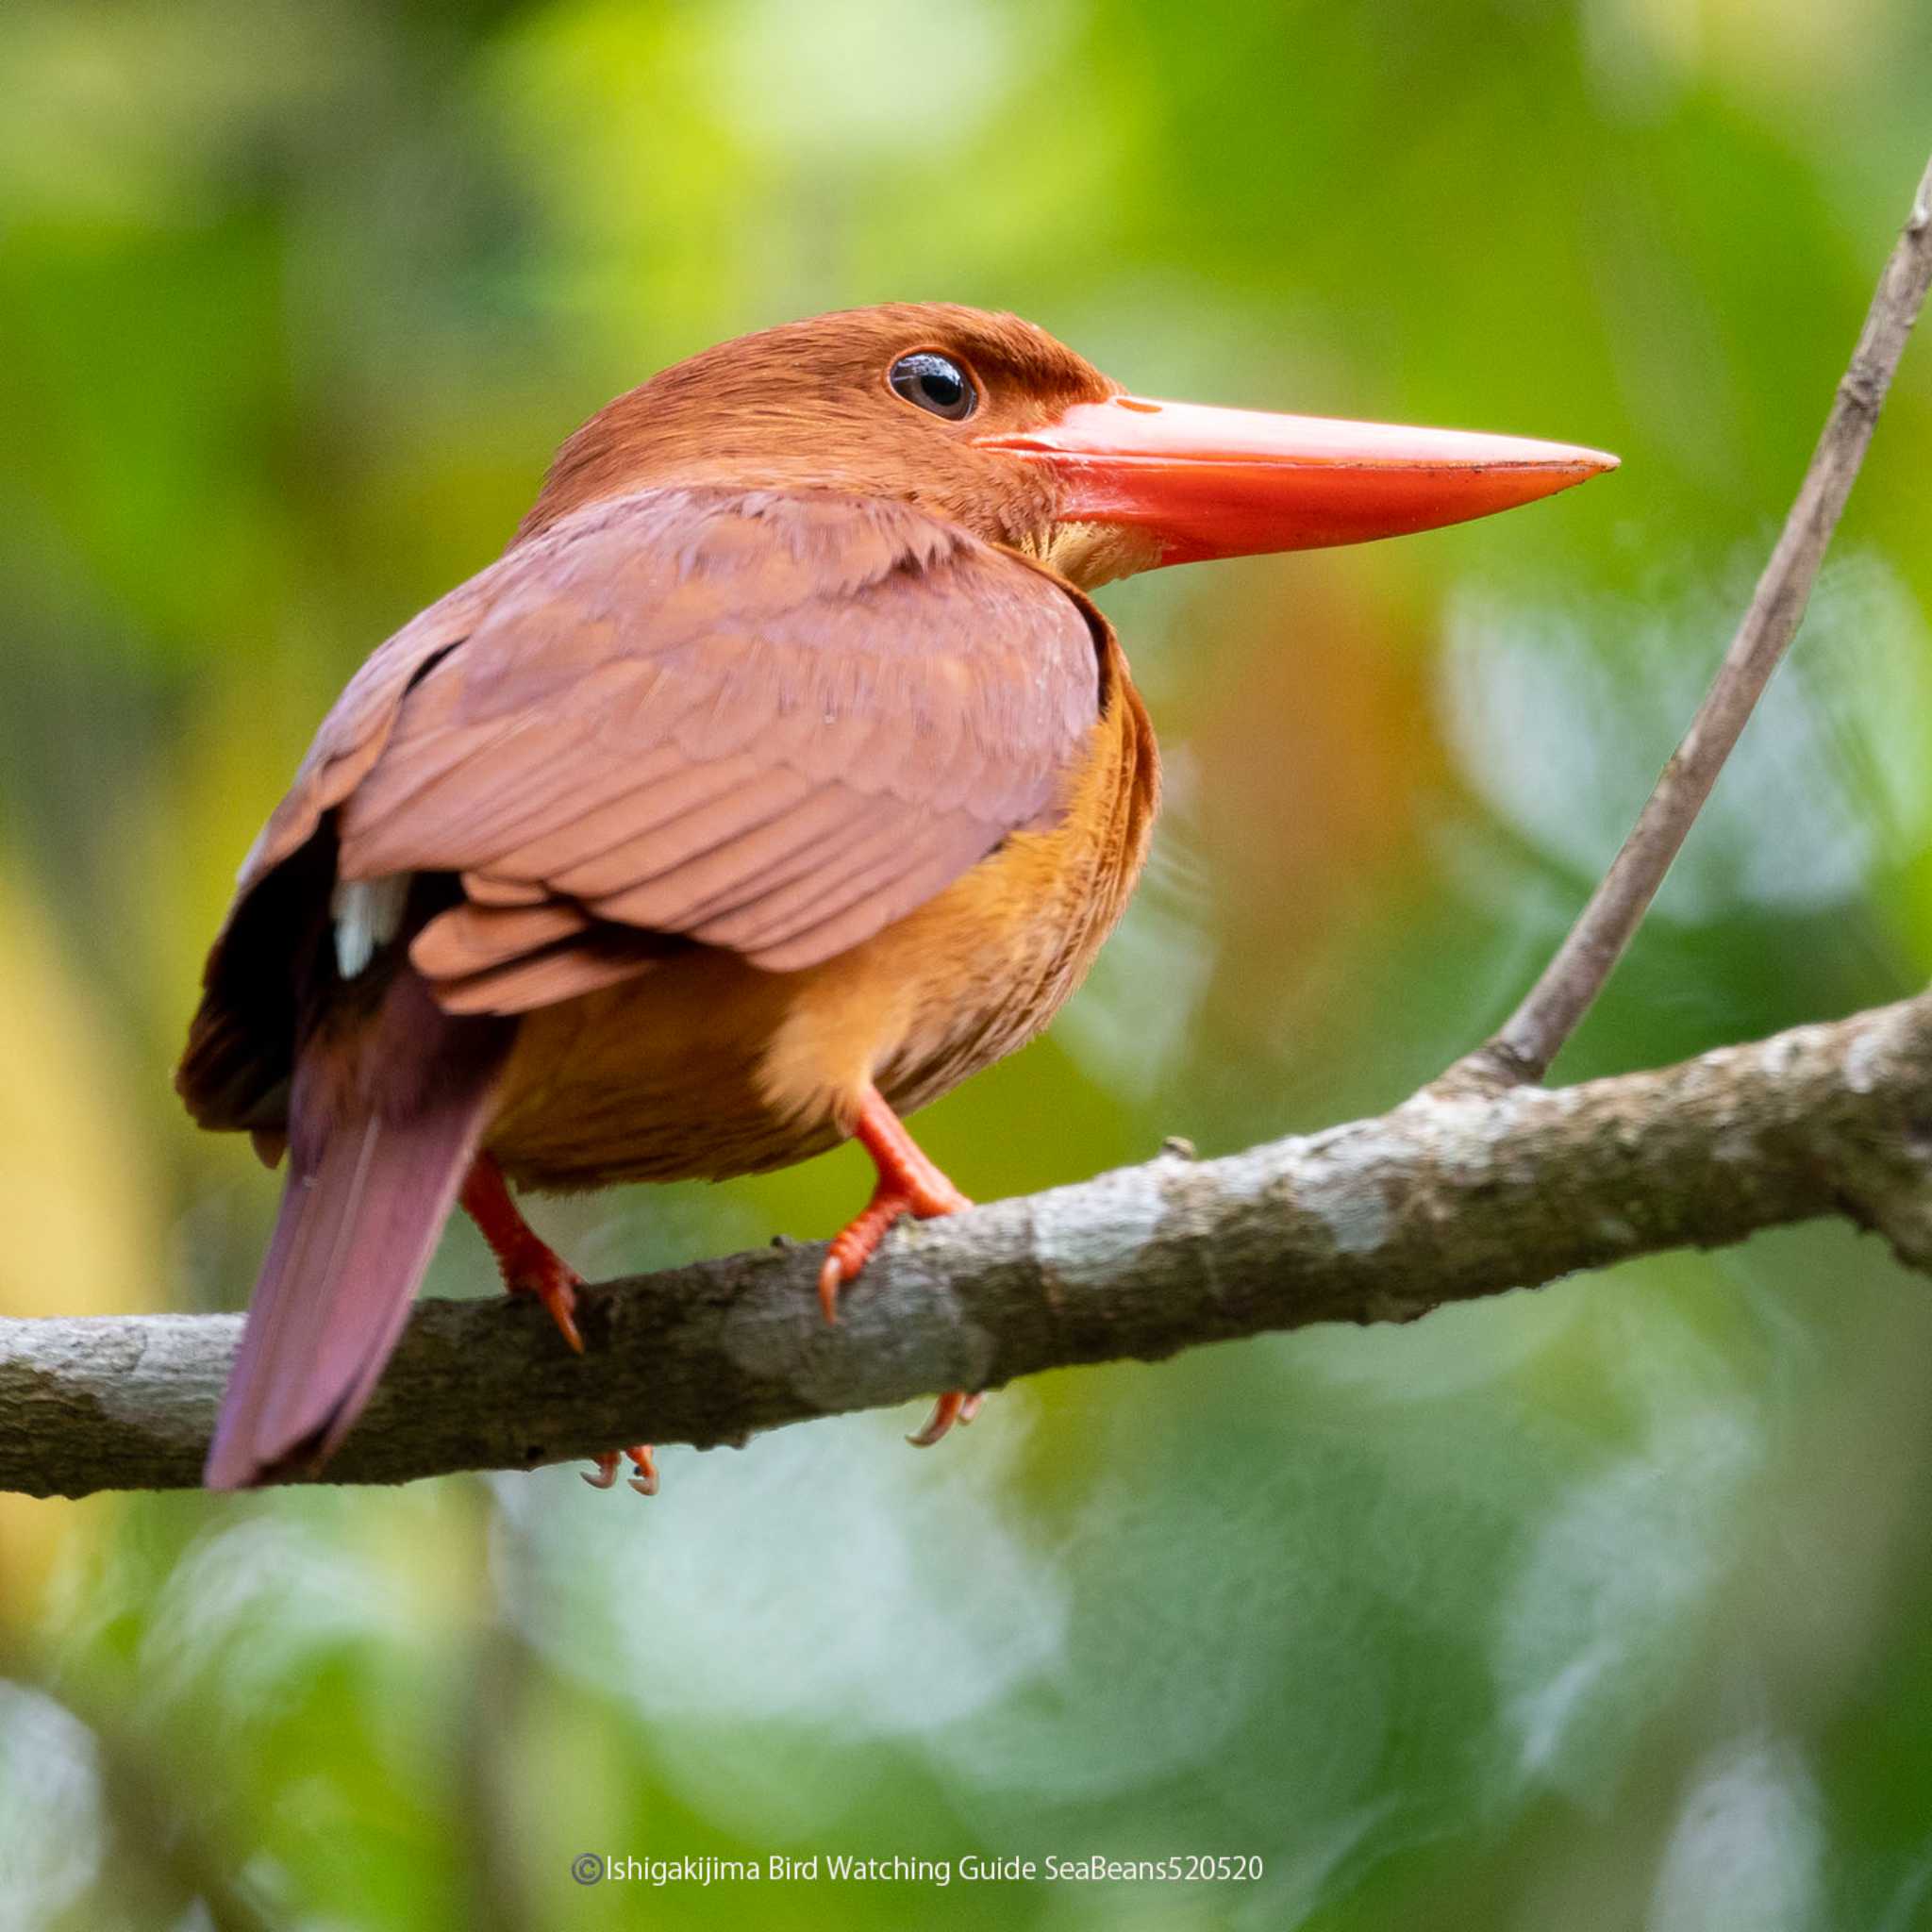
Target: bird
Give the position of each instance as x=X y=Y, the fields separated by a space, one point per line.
x=780 y=774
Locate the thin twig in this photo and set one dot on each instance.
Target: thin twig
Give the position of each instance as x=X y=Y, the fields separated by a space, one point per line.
x=1555 y=1006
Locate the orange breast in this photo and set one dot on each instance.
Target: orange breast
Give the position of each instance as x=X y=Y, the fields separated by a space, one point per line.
x=706 y=1067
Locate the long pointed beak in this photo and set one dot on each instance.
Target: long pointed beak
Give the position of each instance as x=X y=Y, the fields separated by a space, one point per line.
x=1207 y=482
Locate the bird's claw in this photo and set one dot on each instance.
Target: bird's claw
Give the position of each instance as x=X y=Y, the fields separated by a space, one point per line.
x=955 y=1406
x=557 y=1290
x=908 y=1183
x=529 y=1265
x=856 y=1242
x=925 y=1197
x=644 y=1482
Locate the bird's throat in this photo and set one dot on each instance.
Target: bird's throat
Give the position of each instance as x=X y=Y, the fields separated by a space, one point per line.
x=1089 y=554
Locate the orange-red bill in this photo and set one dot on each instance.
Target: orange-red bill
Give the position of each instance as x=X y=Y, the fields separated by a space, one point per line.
x=1210 y=482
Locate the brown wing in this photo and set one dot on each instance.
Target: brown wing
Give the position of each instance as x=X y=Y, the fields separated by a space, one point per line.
x=768 y=722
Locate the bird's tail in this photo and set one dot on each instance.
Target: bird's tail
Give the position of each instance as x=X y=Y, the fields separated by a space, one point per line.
x=382 y=1129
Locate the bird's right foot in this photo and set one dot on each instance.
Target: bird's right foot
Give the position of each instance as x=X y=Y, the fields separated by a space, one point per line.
x=910 y=1182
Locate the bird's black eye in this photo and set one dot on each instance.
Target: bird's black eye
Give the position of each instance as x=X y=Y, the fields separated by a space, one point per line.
x=934 y=382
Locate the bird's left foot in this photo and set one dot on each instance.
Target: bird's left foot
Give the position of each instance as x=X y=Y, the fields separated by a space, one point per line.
x=530 y=1265
x=644 y=1482
x=955 y=1406
x=908 y=1183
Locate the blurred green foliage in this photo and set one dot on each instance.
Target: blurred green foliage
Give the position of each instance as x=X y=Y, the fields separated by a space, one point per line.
x=1606 y=1608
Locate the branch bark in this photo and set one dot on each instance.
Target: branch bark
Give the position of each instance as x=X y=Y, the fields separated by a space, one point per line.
x=1447 y=1198
x=1553 y=1009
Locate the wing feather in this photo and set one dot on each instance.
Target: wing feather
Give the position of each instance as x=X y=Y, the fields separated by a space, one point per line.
x=773 y=722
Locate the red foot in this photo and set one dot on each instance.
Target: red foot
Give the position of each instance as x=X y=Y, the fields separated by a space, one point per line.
x=908 y=1183
x=955 y=1406
x=644 y=1482
x=531 y=1266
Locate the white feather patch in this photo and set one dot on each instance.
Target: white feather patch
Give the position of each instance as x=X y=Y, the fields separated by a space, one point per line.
x=367 y=913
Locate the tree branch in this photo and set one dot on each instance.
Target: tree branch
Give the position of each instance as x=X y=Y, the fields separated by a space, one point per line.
x=1447 y=1198
x=1553 y=1009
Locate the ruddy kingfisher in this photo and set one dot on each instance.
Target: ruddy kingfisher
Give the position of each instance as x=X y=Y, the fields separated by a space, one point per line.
x=779 y=776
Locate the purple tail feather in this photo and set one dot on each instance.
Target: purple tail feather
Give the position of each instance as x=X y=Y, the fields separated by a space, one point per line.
x=375 y=1166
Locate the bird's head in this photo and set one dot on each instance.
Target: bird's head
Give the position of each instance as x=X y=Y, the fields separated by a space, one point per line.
x=990 y=422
